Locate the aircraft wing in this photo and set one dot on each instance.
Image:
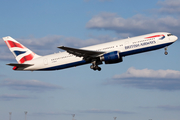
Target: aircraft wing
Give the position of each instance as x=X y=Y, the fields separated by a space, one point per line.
x=81 y=52
x=19 y=65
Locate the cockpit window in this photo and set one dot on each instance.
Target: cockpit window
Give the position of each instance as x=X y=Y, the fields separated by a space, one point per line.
x=169 y=34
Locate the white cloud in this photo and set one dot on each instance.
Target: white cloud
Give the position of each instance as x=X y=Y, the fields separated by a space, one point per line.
x=140 y=24
x=52 y=42
x=148 y=79
x=169 y=6
x=150 y=74
x=30 y=85
x=7 y=97
x=136 y=25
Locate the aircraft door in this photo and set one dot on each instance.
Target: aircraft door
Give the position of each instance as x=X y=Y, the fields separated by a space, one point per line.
x=45 y=61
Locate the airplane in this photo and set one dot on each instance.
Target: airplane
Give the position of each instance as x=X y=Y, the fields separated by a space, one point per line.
x=109 y=53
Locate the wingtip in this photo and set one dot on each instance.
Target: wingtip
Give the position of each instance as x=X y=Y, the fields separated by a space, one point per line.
x=60 y=46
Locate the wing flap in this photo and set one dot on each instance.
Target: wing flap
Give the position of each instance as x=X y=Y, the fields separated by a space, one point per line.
x=81 y=52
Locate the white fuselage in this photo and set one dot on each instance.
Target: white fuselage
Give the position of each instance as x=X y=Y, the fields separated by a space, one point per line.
x=126 y=47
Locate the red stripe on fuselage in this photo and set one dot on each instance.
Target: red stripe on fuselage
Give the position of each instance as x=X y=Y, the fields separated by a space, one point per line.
x=154 y=36
x=14 y=44
x=27 y=58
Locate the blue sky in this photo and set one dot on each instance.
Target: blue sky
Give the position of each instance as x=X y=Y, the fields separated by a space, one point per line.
x=144 y=86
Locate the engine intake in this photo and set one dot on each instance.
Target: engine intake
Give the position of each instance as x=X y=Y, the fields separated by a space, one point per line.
x=111 y=57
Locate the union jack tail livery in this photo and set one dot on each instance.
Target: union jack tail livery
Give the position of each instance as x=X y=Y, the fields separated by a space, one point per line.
x=21 y=53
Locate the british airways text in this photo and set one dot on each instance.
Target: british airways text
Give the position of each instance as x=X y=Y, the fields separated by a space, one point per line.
x=140 y=44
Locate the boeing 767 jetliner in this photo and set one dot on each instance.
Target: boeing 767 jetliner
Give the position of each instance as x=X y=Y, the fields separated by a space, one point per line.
x=109 y=53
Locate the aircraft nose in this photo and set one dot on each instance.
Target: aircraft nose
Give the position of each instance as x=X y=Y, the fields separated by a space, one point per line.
x=175 y=38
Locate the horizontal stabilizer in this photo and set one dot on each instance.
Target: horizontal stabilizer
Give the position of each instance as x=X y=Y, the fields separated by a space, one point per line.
x=19 y=65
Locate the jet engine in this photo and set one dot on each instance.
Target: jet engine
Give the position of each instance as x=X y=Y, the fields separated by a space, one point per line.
x=111 y=57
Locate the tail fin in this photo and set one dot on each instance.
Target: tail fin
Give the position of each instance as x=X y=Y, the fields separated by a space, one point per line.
x=21 y=53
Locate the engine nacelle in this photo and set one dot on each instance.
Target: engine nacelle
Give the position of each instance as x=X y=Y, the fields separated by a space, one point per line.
x=111 y=57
